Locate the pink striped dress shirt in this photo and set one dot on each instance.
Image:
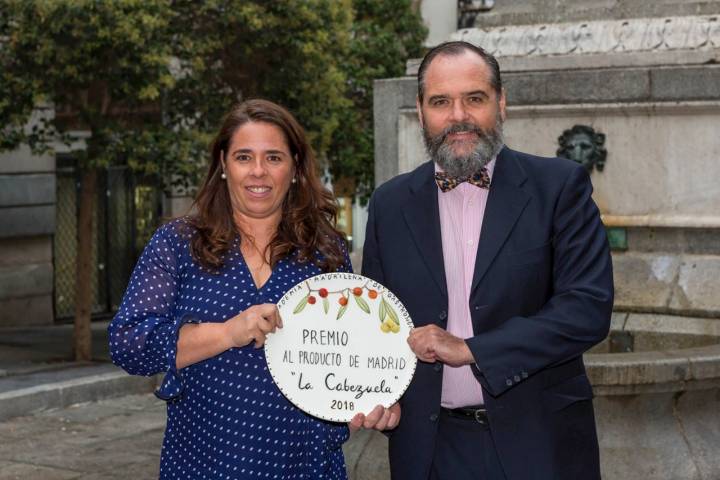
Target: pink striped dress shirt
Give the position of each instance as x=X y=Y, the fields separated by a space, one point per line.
x=461 y=215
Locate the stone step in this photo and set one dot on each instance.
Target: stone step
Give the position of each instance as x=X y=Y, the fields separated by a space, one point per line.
x=80 y=383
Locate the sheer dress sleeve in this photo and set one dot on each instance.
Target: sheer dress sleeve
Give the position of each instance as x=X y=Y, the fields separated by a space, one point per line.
x=143 y=334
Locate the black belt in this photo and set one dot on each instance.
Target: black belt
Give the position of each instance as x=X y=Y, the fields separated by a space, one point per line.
x=477 y=414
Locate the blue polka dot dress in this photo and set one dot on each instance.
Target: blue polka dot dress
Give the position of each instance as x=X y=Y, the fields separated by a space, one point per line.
x=226 y=417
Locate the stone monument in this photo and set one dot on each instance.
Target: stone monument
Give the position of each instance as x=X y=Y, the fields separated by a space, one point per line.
x=646 y=76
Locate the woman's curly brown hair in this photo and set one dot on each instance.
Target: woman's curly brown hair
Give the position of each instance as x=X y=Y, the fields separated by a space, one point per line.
x=309 y=210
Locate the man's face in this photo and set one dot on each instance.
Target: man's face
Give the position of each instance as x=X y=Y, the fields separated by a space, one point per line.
x=461 y=114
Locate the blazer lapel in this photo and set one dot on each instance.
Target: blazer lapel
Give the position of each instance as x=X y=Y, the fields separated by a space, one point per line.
x=422 y=216
x=506 y=201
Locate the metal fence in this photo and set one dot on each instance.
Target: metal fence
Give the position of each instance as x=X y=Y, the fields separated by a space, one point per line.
x=128 y=210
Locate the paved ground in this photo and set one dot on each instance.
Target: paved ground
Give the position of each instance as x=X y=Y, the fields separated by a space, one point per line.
x=111 y=439
x=112 y=435
x=120 y=439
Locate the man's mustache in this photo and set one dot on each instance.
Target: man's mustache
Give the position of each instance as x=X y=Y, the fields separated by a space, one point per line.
x=461 y=128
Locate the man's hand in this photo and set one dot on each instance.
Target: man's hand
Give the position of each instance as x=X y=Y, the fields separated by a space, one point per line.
x=433 y=344
x=380 y=418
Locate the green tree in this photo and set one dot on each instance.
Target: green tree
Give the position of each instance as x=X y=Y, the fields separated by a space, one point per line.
x=285 y=51
x=149 y=80
x=106 y=65
x=385 y=34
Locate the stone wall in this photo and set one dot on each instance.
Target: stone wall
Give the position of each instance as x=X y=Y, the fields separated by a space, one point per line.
x=27 y=223
x=557 y=11
x=659 y=108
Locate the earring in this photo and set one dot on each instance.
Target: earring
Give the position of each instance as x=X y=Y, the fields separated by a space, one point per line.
x=294 y=180
x=223 y=176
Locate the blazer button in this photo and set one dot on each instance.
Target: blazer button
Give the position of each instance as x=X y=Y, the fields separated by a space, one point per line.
x=437 y=367
x=433 y=417
x=443 y=315
x=516 y=378
x=508 y=382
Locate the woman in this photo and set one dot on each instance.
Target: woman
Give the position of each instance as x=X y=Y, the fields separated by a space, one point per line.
x=202 y=299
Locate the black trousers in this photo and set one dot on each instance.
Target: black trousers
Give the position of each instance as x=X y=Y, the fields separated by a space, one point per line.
x=464 y=450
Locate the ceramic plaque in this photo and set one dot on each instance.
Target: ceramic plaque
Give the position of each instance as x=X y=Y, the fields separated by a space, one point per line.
x=343 y=346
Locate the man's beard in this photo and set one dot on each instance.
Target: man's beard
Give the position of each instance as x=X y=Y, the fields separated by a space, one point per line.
x=488 y=144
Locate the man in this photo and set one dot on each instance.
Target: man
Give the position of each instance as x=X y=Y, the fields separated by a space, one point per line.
x=502 y=261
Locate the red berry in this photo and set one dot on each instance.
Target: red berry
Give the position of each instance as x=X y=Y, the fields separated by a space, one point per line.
x=343 y=301
x=311 y=300
x=372 y=294
x=357 y=291
x=323 y=292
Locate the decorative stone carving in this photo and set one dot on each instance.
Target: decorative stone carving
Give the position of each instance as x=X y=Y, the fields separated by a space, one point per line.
x=613 y=36
x=583 y=145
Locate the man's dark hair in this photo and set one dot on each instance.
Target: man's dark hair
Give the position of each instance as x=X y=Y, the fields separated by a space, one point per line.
x=454 y=49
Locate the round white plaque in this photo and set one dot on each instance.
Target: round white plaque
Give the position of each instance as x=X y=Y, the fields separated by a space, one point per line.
x=343 y=346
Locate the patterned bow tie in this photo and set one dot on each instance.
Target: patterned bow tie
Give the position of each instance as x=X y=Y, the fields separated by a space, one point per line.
x=447 y=182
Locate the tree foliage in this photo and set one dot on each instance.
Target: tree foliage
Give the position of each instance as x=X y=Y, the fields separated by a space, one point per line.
x=385 y=33
x=106 y=63
x=281 y=50
x=149 y=80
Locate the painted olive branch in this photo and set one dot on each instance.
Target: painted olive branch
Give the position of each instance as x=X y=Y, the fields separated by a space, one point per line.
x=389 y=320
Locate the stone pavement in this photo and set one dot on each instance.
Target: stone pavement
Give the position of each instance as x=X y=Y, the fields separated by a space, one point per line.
x=120 y=438
x=110 y=439
x=62 y=420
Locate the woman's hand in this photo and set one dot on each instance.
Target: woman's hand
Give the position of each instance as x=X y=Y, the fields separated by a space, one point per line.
x=253 y=324
x=379 y=419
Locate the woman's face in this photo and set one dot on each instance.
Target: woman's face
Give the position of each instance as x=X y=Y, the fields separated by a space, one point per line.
x=259 y=170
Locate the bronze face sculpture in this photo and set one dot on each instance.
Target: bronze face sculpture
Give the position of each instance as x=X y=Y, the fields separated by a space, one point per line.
x=583 y=145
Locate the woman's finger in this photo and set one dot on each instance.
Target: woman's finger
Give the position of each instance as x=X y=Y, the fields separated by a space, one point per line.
x=259 y=339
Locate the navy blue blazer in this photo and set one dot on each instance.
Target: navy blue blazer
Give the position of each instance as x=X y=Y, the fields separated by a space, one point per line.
x=542 y=294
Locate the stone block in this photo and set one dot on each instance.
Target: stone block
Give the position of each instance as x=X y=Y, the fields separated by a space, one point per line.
x=93 y=383
x=27 y=311
x=618 y=321
x=636 y=369
x=704 y=364
x=411 y=148
x=698 y=289
x=389 y=96
x=24 y=250
x=23 y=160
x=554 y=11
x=31 y=280
x=27 y=221
x=688 y=83
x=701 y=431
x=643 y=437
x=701 y=241
x=36 y=189
x=671 y=332
x=577 y=86
x=644 y=281
x=647 y=144
x=546 y=86
x=673 y=324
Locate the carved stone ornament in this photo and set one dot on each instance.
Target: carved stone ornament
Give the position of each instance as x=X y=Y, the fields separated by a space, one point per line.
x=601 y=36
x=583 y=145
